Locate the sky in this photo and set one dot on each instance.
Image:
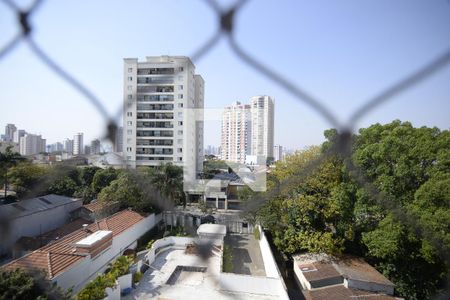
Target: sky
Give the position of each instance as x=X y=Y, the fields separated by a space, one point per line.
x=341 y=52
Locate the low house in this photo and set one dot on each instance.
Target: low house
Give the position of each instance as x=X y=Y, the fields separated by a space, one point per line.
x=75 y=259
x=327 y=277
x=33 y=217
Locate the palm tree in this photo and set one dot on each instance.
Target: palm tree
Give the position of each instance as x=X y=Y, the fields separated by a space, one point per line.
x=168 y=179
x=8 y=159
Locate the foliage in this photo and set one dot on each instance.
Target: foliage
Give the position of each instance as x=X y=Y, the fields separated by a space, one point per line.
x=168 y=180
x=227 y=262
x=18 y=285
x=176 y=231
x=63 y=186
x=212 y=167
x=257 y=233
x=26 y=179
x=327 y=211
x=8 y=159
x=103 y=178
x=95 y=290
x=127 y=191
x=150 y=244
x=137 y=277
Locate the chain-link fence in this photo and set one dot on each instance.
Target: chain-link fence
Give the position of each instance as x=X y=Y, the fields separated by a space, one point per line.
x=226 y=29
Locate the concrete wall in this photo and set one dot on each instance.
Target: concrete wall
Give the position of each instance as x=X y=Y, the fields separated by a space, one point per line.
x=81 y=273
x=166 y=242
x=251 y=284
x=270 y=265
x=369 y=286
x=301 y=280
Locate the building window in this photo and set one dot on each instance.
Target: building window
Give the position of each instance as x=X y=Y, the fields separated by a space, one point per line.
x=180 y=132
x=180 y=159
x=129 y=131
x=129 y=123
x=130 y=78
x=180 y=87
x=130 y=97
x=180 y=141
x=180 y=123
x=181 y=69
x=129 y=149
x=180 y=150
x=180 y=104
x=129 y=114
x=180 y=114
x=130 y=88
x=180 y=96
x=130 y=70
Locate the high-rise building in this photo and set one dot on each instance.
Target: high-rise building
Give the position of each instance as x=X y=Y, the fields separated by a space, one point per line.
x=17 y=135
x=56 y=147
x=78 y=147
x=277 y=152
x=262 y=111
x=163 y=118
x=9 y=132
x=31 y=144
x=95 y=147
x=118 y=146
x=236 y=132
x=68 y=146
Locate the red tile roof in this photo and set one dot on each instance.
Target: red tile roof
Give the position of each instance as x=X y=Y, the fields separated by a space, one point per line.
x=340 y=292
x=59 y=256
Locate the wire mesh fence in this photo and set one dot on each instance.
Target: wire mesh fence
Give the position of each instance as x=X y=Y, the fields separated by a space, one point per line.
x=226 y=29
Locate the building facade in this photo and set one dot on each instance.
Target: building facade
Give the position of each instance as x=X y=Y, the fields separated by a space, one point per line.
x=78 y=147
x=163 y=113
x=277 y=152
x=68 y=146
x=262 y=111
x=31 y=144
x=95 y=147
x=17 y=135
x=236 y=132
x=118 y=145
x=9 y=132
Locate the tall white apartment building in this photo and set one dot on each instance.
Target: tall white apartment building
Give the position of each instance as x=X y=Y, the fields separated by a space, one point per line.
x=17 y=135
x=163 y=113
x=236 y=132
x=262 y=111
x=68 y=146
x=277 y=152
x=9 y=132
x=31 y=144
x=78 y=147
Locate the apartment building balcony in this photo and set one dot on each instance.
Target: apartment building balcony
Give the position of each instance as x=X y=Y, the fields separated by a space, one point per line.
x=157 y=116
x=155 y=80
x=158 y=158
x=154 y=151
x=156 y=71
x=155 y=89
x=154 y=98
x=159 y=142
x=154 y=125
x=154 y=133
x=155 y=107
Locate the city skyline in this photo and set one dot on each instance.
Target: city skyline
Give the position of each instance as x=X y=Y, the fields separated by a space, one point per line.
x=364 y=60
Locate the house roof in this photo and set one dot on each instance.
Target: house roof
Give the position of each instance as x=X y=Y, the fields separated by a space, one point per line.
x=95 y=206
x=347 y=266
x=59 y=256
x=340 y=292
x=34 y=205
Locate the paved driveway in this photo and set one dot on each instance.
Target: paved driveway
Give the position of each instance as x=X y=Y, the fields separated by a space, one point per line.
x=247 y=258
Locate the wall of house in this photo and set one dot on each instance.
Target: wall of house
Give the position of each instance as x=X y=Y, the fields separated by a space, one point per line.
x=37 y=223
x=301 y=280
x=369 y=286
x=81 y=273
x=270 y=265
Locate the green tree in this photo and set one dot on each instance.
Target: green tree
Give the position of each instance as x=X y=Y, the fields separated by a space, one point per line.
x=168 y=179
x=27 y=179
x=18 y=285
x=103 y=178
x=8 y=159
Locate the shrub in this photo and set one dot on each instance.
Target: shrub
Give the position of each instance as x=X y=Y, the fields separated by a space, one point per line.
x=257 y=233
x=227 y=263
x=137 y=277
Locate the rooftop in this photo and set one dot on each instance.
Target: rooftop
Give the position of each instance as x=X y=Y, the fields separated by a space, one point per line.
x=212 y=229
x=340 y=292
x=58 y=256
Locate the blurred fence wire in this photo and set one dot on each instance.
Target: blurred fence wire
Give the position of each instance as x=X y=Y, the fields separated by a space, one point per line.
x=226 y=29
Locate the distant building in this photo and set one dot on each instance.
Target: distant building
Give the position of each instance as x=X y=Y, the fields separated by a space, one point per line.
x=68 y=146
x=277 y=152
x=95 y=147
x=9 y=132
x=160 y=121
x=56 y=147
x=78 y=146
x=212 y=150
x=248 y=130
x=31 y=144
x=87 y=150
x=262 y=132
x=118 y=146
x=17 y=135
x=236 y=132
